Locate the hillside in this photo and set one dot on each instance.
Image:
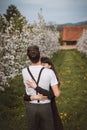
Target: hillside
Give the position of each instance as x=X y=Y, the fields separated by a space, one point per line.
x=60 y=26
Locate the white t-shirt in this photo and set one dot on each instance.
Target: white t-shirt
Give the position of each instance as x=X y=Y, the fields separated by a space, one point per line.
x=47 y=79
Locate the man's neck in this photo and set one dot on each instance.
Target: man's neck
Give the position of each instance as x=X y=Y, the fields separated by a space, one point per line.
x=36 y=64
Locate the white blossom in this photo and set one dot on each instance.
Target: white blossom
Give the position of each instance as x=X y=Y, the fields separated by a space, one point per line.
x=13 y=47
x=82 y=43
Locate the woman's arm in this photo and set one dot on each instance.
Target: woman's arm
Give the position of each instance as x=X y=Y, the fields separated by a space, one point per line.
x=34 y=97
x=56 y=90
x=45 y=92
x=27 y=97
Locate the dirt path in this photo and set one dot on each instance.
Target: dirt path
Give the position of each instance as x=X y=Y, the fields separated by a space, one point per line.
x=67 y=47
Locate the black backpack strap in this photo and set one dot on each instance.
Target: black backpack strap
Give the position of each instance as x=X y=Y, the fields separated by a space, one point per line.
x=33 y=76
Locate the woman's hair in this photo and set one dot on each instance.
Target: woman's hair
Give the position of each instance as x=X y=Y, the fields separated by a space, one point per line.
x=33 y=53
x=48 y=60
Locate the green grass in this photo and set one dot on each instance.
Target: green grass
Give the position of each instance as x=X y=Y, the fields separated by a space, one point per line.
x=72 y=104
x=12 y=107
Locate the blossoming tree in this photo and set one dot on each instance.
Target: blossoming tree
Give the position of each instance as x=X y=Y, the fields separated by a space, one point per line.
x=14 y=45
x=82 y=43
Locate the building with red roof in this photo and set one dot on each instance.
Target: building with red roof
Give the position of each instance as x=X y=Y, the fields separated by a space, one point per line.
x=71 y=34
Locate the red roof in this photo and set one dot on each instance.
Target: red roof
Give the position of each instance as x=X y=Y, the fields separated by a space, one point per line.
x=72 y=33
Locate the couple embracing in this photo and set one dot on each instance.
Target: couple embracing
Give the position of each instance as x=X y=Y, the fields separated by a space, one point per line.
x=41 y=85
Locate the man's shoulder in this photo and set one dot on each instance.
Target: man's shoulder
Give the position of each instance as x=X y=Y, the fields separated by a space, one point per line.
x=24 y=69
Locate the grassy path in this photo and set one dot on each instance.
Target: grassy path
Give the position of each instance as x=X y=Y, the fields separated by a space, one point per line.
x=72 y=67
x=72 y=104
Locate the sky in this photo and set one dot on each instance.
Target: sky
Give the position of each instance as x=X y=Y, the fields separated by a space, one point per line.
x=53 y=11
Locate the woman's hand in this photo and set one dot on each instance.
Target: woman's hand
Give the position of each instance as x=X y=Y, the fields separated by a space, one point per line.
x=31 y=84
x=38 y=97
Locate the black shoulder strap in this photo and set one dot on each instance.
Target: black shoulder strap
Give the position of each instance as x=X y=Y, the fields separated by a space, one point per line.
x=39 y=75
x=33 y=76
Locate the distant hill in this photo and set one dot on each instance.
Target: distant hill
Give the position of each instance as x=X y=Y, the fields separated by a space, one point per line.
x=60 y=26
x=82 y=23
x=75 y=24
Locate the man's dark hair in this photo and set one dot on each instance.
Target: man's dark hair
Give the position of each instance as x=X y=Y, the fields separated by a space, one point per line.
x=33 y=53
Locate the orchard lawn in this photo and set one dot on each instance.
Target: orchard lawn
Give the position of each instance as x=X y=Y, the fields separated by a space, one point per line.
x=72 y=104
